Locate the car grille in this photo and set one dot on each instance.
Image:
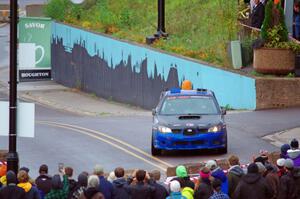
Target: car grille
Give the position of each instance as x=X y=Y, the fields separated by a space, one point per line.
x=190 y=131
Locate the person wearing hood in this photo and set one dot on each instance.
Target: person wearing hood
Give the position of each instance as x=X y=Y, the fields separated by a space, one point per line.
x=234 y=175
x=59 y=190
x=43 y=181
x=183 y=177
x=160 y=191
x=294 y=152
x=218 y=173
x=30 y=190
x=92 y=191
x=81 y=185
x=120 y=185
x=289 y=185
x=11 y=190
x=175 y=190
x=283 y=151
x=188 y=192
x=203 y=187
x=252 y=185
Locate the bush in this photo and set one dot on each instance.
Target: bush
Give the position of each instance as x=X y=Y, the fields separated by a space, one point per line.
x=56 y=9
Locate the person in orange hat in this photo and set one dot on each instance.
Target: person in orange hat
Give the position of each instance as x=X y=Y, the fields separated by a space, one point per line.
x=186 y=85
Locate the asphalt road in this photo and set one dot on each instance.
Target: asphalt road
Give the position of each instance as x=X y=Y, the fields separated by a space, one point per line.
x=82 y=141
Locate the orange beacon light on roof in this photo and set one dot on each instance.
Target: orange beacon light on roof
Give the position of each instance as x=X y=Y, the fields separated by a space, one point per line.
x=186 y=85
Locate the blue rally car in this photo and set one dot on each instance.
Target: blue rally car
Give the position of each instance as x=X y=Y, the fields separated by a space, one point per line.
x=188 y=120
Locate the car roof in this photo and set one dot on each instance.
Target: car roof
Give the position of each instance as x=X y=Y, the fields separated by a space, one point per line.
x=198 y=92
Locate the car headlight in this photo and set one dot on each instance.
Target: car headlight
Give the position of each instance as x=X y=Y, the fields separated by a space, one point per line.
x=164 y=129
x=215 y=129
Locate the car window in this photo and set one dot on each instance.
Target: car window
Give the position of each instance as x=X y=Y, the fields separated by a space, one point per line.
x=182 y=105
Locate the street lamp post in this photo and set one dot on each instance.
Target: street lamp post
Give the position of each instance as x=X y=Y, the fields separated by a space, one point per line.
x=161 y=30
x=12 y=156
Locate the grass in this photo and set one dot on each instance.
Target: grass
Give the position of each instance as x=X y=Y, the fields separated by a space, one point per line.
x=198 y=29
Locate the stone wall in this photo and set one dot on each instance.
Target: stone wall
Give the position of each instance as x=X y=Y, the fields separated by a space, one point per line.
x=277 y=92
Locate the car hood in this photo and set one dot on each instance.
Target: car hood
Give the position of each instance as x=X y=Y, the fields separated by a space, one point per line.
x=177 y=121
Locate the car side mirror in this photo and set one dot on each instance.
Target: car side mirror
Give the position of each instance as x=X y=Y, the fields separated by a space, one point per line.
x=223 y=111
x=153 y=111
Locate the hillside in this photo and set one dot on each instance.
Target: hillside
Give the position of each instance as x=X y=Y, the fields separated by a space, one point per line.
x=199 y=29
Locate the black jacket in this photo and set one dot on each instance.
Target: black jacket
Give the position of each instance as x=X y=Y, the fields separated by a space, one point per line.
x=33 y=193
x=141 y=191
x=160 y=191
x=120 y=189
x=12 y=192
x=204 y=191
x=253 y=186
x=258 y=15
x=289 y=185
x=43 y=183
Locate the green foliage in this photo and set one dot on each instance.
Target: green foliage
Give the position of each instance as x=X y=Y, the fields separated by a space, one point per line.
x=199 y=29
x=274 y=31
x=267 y=23
x=56 y=9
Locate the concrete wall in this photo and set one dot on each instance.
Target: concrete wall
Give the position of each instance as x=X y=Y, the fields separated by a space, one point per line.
x=277 y=92
x=137 y=74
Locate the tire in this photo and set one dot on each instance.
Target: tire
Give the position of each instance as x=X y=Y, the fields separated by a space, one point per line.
x=223 y=150
x=155 y=151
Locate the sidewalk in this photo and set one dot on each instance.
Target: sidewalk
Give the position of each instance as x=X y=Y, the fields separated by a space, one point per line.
x=51 y=94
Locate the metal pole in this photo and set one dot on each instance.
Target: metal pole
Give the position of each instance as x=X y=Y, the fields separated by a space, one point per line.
x=161 y=16
x=12 y=157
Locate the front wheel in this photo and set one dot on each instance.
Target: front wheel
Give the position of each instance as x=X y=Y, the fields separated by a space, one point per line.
x=154 y=151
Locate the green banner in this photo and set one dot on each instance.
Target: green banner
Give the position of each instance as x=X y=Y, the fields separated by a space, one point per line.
x=34 y=49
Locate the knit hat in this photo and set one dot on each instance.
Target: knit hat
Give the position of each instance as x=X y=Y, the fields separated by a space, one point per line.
x=280 y=162
x=284 y=148
x=261 y=167
x=211 y=164
x=175 y=186
x=204 y=173
x=289 y=164
x=181 y=171
x=252 y=168
x=294 y=144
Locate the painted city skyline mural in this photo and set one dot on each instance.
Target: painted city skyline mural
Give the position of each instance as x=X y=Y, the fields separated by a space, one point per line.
x=135 y=74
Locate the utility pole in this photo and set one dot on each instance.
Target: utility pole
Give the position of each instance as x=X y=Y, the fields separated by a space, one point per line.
x=12 y=156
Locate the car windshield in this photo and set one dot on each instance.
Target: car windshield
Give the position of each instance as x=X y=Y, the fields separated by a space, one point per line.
x=189 y=105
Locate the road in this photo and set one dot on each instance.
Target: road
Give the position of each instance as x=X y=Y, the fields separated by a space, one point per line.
x=83 y=141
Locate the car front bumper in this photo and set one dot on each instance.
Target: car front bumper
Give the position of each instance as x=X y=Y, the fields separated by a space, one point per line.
x=173 y=141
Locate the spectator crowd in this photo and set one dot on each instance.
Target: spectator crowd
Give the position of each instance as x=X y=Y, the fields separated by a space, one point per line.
x=260 y=180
